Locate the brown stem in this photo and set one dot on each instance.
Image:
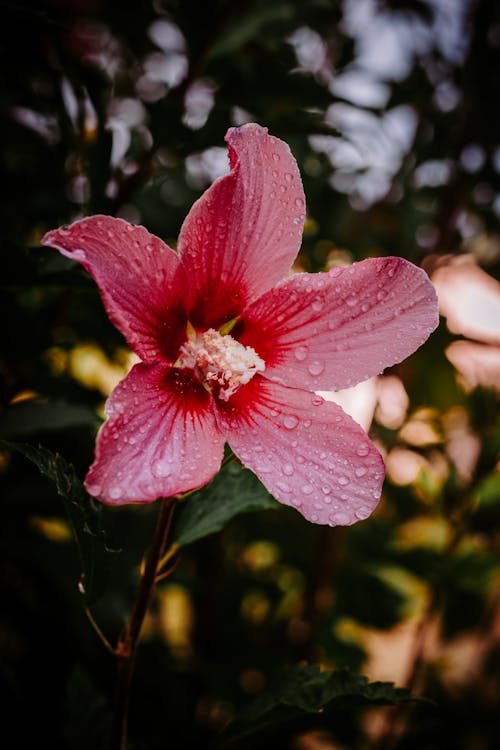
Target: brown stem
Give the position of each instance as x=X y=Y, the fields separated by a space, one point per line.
x=127 y=644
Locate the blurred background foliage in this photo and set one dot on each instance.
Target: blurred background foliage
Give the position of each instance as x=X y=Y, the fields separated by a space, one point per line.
x=391 y=109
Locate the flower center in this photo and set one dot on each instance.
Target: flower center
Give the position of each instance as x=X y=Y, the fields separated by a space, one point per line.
x=220 y=362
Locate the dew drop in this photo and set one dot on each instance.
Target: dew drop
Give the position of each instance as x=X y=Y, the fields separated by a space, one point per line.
x=307 y=489
x=340 y=518
x=299 y=202
x=283 y=487
x=161 y=469
x=288 y=177
x=290 y=422
x=288 y=470
x=115 y=493
x=300 y=353
x=360 y=471
x=362 y=451
x=342 y=480
x=316 y=368
x=317 y=304
x=276 y=157
x=326 y=489
x=381 y=295
x=352 y=300
x=362 y=512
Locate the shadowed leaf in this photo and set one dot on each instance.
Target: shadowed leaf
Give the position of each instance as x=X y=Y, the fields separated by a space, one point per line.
x=29 y=417
x=233 y=491
x=84 y=515
x=304 y=689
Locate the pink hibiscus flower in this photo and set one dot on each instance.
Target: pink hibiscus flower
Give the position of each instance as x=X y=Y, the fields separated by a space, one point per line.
x=232 y=351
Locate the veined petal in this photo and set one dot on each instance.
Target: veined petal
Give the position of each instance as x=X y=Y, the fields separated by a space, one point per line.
x=243 y=234
x=160 y=438
x=138 y=276
x=328 y=331
x=306 y=451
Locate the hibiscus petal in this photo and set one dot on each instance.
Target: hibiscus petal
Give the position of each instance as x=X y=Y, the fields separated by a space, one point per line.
x=138 y=276
x=160 y=438
x=328 y=331
x=243 y=234
x=307 y=451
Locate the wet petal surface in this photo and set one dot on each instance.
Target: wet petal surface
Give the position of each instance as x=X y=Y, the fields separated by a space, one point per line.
x=160 y=438
x=138 y=277
x=306 y=451
x=243 y=234
x=328 y=331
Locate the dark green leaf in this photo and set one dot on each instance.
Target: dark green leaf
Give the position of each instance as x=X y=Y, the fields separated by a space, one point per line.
x=305 y=689
x=233 y=491
x=29 y=417
x=84 y=515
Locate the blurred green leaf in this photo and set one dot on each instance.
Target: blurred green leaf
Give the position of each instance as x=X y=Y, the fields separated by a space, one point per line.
x=233 y=491
x=487 y=498
x=305 y=689
x=29 y=417
x=84 y=515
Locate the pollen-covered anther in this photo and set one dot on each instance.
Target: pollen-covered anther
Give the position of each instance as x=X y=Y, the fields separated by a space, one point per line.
x=220 y=361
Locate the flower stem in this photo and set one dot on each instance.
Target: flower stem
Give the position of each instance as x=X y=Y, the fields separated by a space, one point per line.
x=127 y=644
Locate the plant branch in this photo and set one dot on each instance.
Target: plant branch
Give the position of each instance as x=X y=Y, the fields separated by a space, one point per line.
x=127 y=644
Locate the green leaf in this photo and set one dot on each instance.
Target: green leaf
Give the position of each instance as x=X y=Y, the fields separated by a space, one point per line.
x=233 y=491
x=305 y=689
x=84 y=515
x=487 y=498
x=30 y=417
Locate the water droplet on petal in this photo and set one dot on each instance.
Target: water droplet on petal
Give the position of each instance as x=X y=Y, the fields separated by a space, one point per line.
x=360 y=471
x=317 y=304
x=352 y=300
x=276 y=157
x=362 y=450
x=316 y=368
x=288 y=470
x=290 y=422
x=283 y=487
x=307 y=489
x=300 y=353
x=362 y=513
x=161 y=468
x=115 y=493
x=342 y=480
